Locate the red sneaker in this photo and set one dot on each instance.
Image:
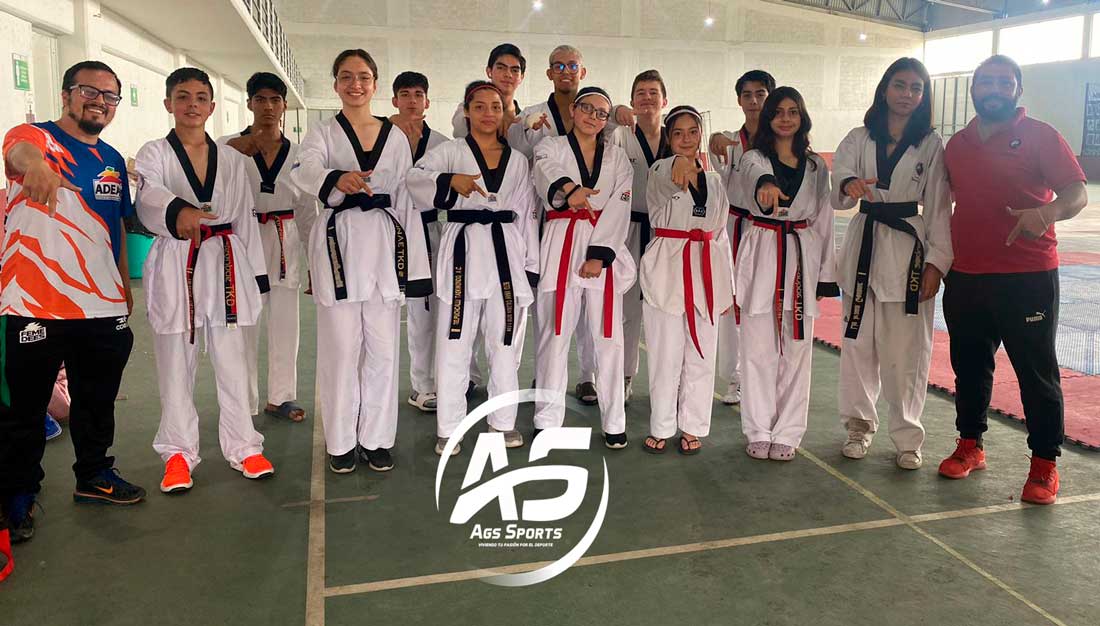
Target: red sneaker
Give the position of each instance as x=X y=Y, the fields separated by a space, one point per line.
x=256 y=466
x=966 y=458
x=1042 y=482
x=177 y=475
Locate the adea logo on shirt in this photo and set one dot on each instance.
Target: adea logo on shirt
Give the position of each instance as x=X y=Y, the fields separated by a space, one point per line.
x=108 y=185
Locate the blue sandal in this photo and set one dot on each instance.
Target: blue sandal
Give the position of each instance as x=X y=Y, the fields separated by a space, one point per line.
x=287 y=410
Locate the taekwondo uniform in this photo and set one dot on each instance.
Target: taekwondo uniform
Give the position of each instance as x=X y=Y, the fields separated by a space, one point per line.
x=367 y=253
x=485 y=267
x=284 y=214
x=420 y=315
x=687 y=282
x=565 y=300
x=212 y=289
x=642 y=158
x=740 y=196
x=785 y=260
x=888 y=333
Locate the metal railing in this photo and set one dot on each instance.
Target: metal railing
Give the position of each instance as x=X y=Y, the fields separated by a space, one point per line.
x=267 y=20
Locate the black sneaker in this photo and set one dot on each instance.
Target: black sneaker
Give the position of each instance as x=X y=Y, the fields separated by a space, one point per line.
x=586 y=392
x=343 y=463
x=108 y=487
x=19 y=512
x=378 y=460
x=615 y=442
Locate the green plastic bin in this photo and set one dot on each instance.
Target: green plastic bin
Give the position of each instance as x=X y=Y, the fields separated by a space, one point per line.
x=137 y=248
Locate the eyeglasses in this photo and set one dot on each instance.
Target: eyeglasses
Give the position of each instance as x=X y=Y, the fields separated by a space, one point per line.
x=347 y=79
x=589 y=109
x=88 y=92
x=561 y=67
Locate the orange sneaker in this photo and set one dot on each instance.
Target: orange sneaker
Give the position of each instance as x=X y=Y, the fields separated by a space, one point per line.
x=967 y=458
x=1042 y=482
x=177 y=475
x=256 y=466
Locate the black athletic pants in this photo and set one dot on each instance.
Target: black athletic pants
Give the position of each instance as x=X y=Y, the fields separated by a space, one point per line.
x=94 y=352
x=1020 y=310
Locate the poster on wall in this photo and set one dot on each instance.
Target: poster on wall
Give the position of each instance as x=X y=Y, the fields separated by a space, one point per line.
x=1090 y=143
x=21 y=72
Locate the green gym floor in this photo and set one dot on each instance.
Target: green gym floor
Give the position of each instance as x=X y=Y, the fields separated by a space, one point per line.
x=716 y=538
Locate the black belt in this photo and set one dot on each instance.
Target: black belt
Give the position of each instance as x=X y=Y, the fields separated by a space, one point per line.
x=495 y=220
x=429 y=216
x=229 y=288
x=645 y=233
x=892 y=215
x=739 y=217
x=280 y=230
x=364 y=202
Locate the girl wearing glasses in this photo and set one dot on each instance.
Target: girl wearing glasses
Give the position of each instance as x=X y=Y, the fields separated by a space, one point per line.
x=367 y=254
x=585 y=185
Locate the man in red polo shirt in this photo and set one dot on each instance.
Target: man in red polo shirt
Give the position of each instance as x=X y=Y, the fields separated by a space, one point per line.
x=1013 y=177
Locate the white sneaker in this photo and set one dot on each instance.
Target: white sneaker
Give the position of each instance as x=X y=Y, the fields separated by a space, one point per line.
x=512 y=438
x=910 y=460
x=859 y=439
x=424 y=401
x=441 y=442
x=733 y=394
x=628 y=389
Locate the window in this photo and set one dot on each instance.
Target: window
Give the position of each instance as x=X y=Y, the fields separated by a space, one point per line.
x=1095 y=48
x=961 y=53
x=951 y=107
x=1044 y=42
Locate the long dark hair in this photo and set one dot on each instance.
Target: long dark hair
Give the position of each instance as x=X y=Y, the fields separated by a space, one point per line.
x=765 y=136
x=920 y=122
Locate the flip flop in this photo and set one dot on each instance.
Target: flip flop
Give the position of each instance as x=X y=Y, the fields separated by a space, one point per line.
x=685 y=446
x=656 y=448
x=287 y=410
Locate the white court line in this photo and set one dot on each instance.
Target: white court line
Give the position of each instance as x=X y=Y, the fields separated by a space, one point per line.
x=315 y=562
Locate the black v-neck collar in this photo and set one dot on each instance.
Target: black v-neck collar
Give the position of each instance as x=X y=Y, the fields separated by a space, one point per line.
x=662 y=145
x=556 y=114
x=699 y=191
x=588 y=180
x=492 y=178
x=885 y=165
x=422 y=145
x=204 y=192
x=367 y=160
x=268 y=175
x=788 y=184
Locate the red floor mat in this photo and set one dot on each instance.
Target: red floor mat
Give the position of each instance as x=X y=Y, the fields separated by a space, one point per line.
x=1081 y=392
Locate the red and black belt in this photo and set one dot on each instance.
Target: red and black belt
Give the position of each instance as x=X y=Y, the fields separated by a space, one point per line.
x=363 y=202
x=228 y=272
x=495 y=220
x=891 y=215
x=565 y=267
x=278 y=217
x=739 y=217
x=704 y=237
x=783 y=228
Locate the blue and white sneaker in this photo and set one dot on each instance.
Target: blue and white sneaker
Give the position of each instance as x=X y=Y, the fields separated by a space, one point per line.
x=53 y=428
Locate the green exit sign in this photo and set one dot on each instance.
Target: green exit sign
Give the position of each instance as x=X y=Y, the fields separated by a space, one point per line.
x=21 y=72
x=133 y=95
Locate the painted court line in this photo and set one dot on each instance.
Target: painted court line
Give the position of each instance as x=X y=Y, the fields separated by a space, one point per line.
x=315 y=562
x=909 y=521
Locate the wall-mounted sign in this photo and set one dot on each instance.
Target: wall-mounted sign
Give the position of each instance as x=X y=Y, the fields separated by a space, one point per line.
x=21 y=71
x=133 y=95
x=1090 y=139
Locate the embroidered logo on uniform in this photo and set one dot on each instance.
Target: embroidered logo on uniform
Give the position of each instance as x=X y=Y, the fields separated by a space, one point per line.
x=1015 y=143
x=625 y=196
x=1038 y=316
x=121 y=323
x=31 y=333
x=108 y=185
x=296 y=165
x=919 y=172
x=633 y=160
x=698 y=211
x=539 y=157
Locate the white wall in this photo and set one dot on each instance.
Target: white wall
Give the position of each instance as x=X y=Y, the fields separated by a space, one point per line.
x=817 y=53
x=1055 y=93
x=86 y=30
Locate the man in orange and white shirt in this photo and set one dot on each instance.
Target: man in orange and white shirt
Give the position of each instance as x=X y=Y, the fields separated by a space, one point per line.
x=64 y=294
